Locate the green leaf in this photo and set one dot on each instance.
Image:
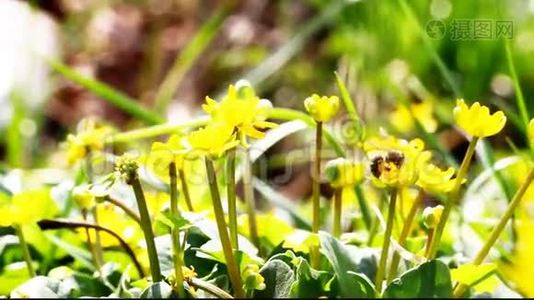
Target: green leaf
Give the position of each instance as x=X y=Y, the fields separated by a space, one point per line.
x=345 y=263
x=278 y=280
x=309 y=282
x=157 y=290
x=173 y=221
x=431 y=279
x=38 y=287
x=12 y=276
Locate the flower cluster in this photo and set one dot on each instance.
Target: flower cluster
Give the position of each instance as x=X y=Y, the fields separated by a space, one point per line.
x=239 y=114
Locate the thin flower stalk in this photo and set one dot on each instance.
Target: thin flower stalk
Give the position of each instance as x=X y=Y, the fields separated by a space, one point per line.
x=452 y=199
x=406 y=229
x=497 y=230
x=231 y=197
x=185 y=190
x=25 y=250
x=175 y=233
x=336 y=227
x=316 y=204
x=231 y=264
x=387 y=241
x=249 y=199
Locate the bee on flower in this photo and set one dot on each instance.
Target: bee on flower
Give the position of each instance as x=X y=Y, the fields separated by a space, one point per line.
x=394 y=161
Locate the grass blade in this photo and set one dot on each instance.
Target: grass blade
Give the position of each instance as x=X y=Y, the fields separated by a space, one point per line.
x=520 y=99
x=107 y=93
x=185 y=60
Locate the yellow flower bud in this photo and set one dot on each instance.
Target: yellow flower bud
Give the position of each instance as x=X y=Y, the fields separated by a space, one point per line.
x=252 y=278
x=432 y=215
x=341 y=172
x=322 y=109
x=477 y=120
x=83 y=197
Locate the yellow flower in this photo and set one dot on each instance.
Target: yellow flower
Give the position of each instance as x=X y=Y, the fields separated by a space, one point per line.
x=241 y=110
x=432 y=215
x=393 y=161
x=403 y=117
x=322 y=109
x=477 y=120
x=433 y=179
x=90 y=136
x=341 y=172
x=212 y=140
x=163 y=154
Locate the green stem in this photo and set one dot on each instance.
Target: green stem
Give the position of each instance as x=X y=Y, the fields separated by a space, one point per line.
x=146 y=226
x=97 y=246
x=497 y=230
x=387 y=240
x=452 y=199
x=175 y=232
x=337 y=213
x=364 y=207
x=430 y=236
x=185 y=190
x=90 y=243
x=231 y=198
x=231 y=264
x=98 y=242
x=316 y=204
x=248 y=190
x=406 y=229
x=25 y=250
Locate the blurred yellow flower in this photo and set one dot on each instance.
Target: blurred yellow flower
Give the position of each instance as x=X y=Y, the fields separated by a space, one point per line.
x=83 y=196
x=342 y=172
x=432 y=178
x=241 y=110
x=213 y=140
x=26 y=207
x=393 y=161
x=163 y=154
x=477 y=120
x=402 y=118
x=322 y=109
x=89 y=136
